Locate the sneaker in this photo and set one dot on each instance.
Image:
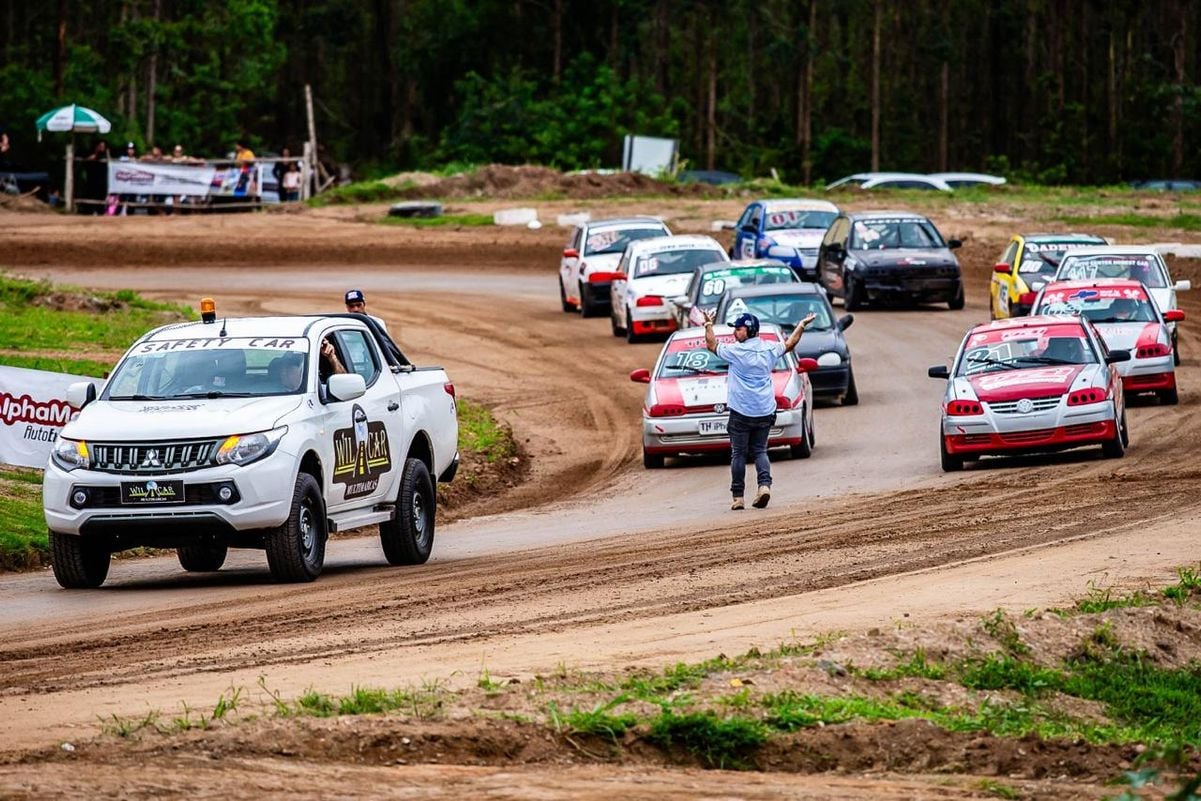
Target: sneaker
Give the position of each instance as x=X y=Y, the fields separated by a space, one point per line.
x=761 y=497
x=737 y=503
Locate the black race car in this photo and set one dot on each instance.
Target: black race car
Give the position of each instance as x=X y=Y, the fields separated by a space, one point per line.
x=788 y=304
x=882 y=256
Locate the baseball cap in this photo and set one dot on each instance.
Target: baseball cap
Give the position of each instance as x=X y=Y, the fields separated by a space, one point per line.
x=355 y=296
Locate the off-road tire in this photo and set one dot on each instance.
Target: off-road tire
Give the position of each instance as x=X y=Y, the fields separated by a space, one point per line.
x=950 y=464
x=296 y=548
x=804 y=449
x=408 y=538
x=853 y=299
x=618 y=331
x=206 y=558
x=1116 y=447
x=956 y=303
x=79 y=563
x=1169 y=397
x=653 y=461
x=588 y=306
x=631 y=337
x=852 y=396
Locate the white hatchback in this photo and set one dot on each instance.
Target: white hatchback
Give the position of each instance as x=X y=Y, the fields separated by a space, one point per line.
x=652 y=271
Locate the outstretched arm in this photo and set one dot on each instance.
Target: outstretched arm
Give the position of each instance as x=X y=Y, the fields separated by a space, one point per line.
x=710 y=337
x=795 y=336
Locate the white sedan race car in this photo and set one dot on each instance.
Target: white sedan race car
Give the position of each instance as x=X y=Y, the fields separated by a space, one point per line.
x=1127 y=319
x=589 y=262
x=1028 y=385
x=685 y=409
x=652 y=271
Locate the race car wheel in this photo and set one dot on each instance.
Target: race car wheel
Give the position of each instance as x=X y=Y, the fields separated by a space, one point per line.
x=804 y=449
x=631 y=337
x=1116 y=447
x=852 y=396
x=950 y=464
x=1169 y=397
x=652 y=461
x=1175 y=349
x=854 y=294
x=408 y=538
x=79 y=564
x=956 y=303
x=587 y=304
x=296 y=549
x=617 y=329
x=567 y=307
x=205 y=558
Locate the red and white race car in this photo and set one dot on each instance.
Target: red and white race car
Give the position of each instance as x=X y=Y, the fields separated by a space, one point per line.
x=685 y=410
x=1031 y=384
x=589 y=262
x=1128 y=318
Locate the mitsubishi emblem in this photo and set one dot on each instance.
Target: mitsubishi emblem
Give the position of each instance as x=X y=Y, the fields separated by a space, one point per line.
x=151 y=459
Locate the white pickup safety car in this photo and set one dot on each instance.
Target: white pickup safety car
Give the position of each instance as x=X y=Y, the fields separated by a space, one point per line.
x=653 y=271
x=265 y=432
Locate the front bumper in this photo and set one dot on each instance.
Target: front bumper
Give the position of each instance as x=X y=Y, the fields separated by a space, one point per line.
x=680 y=435
x=830 y=382
x=1055 y=429
x=894 y=287
x=263 y=499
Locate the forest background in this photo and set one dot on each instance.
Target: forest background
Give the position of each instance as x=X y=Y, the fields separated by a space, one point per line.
x=1051 y=91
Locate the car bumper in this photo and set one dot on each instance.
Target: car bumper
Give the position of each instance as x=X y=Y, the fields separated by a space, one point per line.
x=652 y=320
x=830 y=382
x=263 y=499
x=679 y=435
x=1149 y=382
x=895 y=288
x=1055 y=429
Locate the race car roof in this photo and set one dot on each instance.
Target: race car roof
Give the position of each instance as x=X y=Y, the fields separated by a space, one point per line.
x=1117 y=250
x=627 y=222
x=871 y=215
x=662 y=244
x=1085 y=283
x=1050 y=239
x=798 y=204
x=756 y=290
x=1017 y=323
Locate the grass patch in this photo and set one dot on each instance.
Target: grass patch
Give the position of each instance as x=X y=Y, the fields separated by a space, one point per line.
x=446 y=220
x=360 y=192
x=24 y=543
x=480 y=432
x=1187 y=222
x=716 y=742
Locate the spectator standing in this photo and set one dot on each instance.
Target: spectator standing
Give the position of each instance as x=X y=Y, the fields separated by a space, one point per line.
x=242 y=152
x=95 y=177
x=289 y=187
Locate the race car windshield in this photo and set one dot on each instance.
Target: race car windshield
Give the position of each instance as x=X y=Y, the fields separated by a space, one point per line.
x=783 y=310
x=1043 y=258
x=1100 y=307
x=1039 y=350
x=785 y=220
x=615 y=241
x=894 y=234
x=691 y=357
x=171 y=371
x=673 y=262
x=716 y=283
x=1136 y=268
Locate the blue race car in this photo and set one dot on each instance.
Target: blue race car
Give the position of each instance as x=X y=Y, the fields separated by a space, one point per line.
x=790 y=231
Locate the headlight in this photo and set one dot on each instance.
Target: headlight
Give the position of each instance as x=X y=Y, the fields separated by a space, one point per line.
x=70 y=454
x=782 y=252
x=247 y=448
x=829 y=359
x=1037 y=285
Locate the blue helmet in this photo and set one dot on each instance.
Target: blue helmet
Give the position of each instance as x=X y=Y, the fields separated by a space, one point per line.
x=748 y=321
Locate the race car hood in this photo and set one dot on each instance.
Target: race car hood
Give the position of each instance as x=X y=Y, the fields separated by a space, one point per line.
x=906 y=257
x=797 y=237
x=706 y=390
x=1009 y=385
x=1129 y=336
x=182 y=419
x=815 y=343
x=665 y=285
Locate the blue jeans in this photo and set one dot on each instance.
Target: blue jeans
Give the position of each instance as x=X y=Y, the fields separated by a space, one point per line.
x=748 y=433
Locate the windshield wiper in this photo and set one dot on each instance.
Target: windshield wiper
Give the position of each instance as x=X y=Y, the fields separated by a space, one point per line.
x=997 y=362
x=211 y=394
x=698 y=370
x=1046 y=360
x=138 y=397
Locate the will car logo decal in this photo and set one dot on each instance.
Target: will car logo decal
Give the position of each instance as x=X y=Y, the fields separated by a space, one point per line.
x=361 y=454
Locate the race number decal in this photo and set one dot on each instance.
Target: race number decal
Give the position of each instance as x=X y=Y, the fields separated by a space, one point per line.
x=361 y=454
x=713 y=287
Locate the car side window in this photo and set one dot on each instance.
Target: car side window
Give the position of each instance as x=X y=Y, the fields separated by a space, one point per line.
x=360 y=354
x=1010 y=253
x=841 y=229
x=746 y=217
x=756 y=216
x=577 y=241
x=623 y=266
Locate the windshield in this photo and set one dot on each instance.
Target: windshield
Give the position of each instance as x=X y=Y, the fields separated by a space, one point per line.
x=1044 y=257
x=614 y=240
x=672 y=262
x=798 y=218
x=713 y=284
x=785 y=310
x=892 y=234
x=690 y=357
x=1101 y=305
x=211 y=368
x=1007 y=349
x=1135 y=267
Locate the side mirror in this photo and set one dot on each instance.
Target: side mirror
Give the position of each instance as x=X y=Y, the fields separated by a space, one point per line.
x=844 y=322
x=640 y=376
x=682 y=301
x=571 y=253
x=723 y=225
x=80 y=394
x=806 y=365
x=1117 y=356
x=939 y=371
x=1002 y=268
x=1183 y=286
x=954 y=243
x=346 y=386
x=1173 y=316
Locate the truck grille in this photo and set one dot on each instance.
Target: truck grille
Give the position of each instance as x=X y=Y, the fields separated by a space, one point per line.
x=154 y=458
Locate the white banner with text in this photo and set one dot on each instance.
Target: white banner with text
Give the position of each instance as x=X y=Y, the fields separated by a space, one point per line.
x=33 y=410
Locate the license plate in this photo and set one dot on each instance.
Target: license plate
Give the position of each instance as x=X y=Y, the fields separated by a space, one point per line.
x=711 y=427
x=152 y=491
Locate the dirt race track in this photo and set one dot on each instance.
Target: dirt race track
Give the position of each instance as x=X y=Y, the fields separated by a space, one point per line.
x=592 y=564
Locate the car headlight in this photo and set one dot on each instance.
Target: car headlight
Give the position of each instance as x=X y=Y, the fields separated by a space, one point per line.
x=70 y=454
x=1037 y=285
x=829 y=359
x=782 y=252
x=247 y=448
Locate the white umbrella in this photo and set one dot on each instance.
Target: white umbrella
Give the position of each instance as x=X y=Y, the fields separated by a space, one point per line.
x=72 y=119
